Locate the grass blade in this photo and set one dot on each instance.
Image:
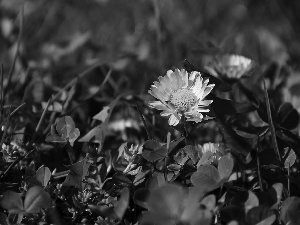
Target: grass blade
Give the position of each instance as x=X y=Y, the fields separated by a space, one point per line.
x=144 y=122
x=273 y=132
x=16 y=54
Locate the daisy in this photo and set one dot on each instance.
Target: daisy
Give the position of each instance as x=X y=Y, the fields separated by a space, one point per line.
x=214 y=150
x=232 y=66
x=181 y=94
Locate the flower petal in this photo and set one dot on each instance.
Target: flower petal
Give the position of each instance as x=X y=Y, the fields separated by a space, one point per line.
x=158 y=105
x=157 y=93
x=208 y=90
x=185 y=78
x=166 y=113
x=205 y=102
x=173 y=120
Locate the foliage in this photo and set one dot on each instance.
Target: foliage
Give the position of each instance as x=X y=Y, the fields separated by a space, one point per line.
x=186 y=113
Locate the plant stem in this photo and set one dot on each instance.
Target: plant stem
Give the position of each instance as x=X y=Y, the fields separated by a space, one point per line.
x=289 y=183
x=166 y=157
x=258 y=170
x=2 y=93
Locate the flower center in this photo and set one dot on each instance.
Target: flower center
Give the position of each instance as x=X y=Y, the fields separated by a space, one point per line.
x=182 y=99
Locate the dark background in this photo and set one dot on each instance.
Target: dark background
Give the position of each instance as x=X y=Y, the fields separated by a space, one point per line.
x=142 y=39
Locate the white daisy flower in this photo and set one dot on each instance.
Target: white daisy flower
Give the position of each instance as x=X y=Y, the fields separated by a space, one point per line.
x=217 y=150
x=181 y=94
x=232 y=66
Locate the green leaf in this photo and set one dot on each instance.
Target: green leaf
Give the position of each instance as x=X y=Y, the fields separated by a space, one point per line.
x=3 y=219
x=121 y=150
x=233 y=222
x=206 y=159
x=174 y=143
x=166 y=200
x=77 y=172
x=53 y=137
x=73 y=136
x=174 y=167
x=12 y=202
x=101 y=210
x=65 y=126
x=157 y=180
x=140 y=197
x=287 y=116
x=209 y=202
x=225 y=167
x=181 y=158
x=103 y=114
x=15 y=218
x=43 y=175
x=115 y=212
x=252 y=201
x=121 y=180
x=96 y=135
x=290 y=210
x=207 y=177
x=259 y=214
x=245 y=133
x=66 y=130
x=154 y=155
x=239 y=147
x=35 y=199
x=290 y=160
x=122 y=204
x=277 y=188
x=233 y=212
x=270 y=220
x=140 y=175
x=244 y=198
x=192 y=152
x=151 y=145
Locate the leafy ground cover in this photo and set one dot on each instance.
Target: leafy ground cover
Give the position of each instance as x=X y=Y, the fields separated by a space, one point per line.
x=149 y=112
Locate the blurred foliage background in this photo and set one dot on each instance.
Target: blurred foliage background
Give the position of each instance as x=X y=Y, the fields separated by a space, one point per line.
x=142 y=39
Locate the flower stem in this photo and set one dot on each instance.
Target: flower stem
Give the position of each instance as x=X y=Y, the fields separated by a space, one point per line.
x=166 y=158
x=258 y=171
x=185 y=133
